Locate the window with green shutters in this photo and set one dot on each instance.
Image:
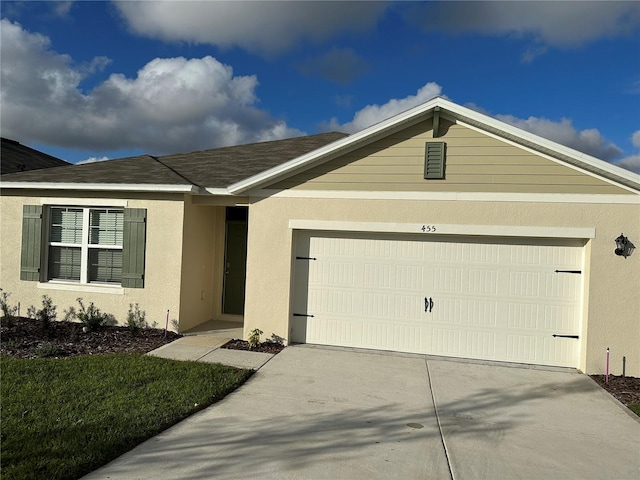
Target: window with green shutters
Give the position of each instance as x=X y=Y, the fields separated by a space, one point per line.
x=84 y=245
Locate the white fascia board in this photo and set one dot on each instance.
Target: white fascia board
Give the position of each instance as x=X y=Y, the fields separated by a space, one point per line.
x=366 y=135
x=218 y=191
x=102 y=187
x=581 y=157
x=414 y=114
x=435 y=229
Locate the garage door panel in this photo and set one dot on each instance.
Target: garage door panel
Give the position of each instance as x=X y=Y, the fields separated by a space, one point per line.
x=499 y=300
x=480 y=344
x=445 y=341
x=482 y=312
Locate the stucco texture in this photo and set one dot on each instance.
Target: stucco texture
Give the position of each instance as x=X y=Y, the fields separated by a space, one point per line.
x=161 y=292
x=611 y=306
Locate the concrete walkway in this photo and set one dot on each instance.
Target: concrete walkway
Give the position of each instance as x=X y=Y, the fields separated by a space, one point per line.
x=330 y=413
x=206 y=348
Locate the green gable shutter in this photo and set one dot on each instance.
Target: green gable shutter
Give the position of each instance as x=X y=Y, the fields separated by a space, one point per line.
x=30 y=253
x=133 y=246
x=434 y=156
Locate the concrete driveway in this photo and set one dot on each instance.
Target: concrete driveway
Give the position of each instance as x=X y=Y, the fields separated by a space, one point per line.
x=331 y=413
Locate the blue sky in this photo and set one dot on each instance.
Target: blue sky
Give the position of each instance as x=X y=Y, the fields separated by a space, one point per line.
x=94 y=80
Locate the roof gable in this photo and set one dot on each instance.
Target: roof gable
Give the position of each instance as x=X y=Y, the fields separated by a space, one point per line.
x=475 y=162
x=456 y=114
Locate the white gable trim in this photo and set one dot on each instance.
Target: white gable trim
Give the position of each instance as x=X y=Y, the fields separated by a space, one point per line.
x=418 y=114
x=549 y=157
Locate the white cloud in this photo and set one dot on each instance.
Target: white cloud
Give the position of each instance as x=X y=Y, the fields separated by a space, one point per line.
x=557 y=24
x=589 y=141
x=372 y=114
x=93 y=160
x=172 y=105
x=258 y=26
x=631 y=162
x=62 y=8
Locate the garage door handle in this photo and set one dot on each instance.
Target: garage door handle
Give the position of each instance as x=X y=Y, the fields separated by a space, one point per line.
x=428 y=304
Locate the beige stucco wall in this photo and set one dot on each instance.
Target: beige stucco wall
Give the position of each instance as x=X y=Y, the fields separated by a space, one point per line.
x=162 y=257
x=475 y=162
x=612 y=306
x=202 y=261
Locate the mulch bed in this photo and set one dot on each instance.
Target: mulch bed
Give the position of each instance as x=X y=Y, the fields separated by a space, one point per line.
x=625 y=389
x=26 y=338
x=264 y=347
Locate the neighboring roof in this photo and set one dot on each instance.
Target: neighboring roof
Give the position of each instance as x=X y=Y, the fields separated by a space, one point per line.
x=215 y=168
x=16 y=157
x=454 y=112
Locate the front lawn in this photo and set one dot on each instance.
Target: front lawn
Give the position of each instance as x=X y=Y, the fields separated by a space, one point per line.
x=63 y=418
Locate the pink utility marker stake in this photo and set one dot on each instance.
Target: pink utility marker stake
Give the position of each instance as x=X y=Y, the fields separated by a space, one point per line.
x=166 y=325
x=607 y=375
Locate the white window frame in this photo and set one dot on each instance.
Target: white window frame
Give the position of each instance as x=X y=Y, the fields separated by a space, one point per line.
x=84 y=246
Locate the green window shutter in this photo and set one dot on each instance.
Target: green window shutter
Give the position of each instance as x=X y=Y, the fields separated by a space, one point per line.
x=434 y=156
x=133 y=247
x=30 y=254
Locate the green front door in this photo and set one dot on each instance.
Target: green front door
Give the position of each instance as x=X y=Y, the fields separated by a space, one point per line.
x=235 y=263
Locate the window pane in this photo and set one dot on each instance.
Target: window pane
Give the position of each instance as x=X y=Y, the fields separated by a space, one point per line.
x=105 y=227
x=105 y=265
x=64 y=263
x=66 y=225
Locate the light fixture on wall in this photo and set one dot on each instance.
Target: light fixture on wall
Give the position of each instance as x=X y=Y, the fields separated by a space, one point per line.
x=624 y=247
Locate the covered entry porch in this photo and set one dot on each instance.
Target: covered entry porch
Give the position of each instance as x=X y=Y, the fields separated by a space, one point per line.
x=214 y=253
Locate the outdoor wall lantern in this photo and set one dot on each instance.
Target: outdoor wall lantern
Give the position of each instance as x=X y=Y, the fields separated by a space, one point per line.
x=624 y=247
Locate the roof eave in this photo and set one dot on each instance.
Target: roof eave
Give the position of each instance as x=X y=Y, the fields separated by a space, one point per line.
x=103 y=187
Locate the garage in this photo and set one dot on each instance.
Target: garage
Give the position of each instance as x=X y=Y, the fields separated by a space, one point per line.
x=513 y=299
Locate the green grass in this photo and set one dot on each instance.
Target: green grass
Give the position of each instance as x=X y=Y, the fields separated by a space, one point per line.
x=635 y=408
x=62 y=418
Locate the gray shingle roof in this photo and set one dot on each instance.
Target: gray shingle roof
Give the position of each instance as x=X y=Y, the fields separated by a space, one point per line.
x=215 y=168
x=15 y=157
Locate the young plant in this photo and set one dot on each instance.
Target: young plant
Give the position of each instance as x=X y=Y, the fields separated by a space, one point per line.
x=46 y=314
x=8 y=310
x=254 y=338
x=136 y=319
x=91 y=317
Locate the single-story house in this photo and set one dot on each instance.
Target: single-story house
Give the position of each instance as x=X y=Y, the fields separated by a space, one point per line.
x=440 y=231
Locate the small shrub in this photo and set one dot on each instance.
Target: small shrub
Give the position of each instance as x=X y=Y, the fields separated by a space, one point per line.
x=8 y=310
x=46 y=314
x=91 y=317
x=136 y=319
x=254 y=338
x=175 y=324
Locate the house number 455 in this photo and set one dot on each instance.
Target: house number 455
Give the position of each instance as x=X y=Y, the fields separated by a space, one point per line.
x=428 y=228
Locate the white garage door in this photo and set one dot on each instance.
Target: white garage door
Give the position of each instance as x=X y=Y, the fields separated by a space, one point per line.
x=515 y=300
